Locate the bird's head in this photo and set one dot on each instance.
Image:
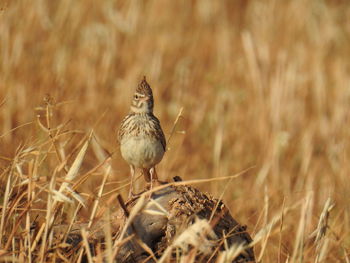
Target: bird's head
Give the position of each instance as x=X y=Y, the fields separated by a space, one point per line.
x=143 y=98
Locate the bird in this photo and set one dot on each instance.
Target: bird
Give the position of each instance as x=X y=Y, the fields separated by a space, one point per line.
x=140 y=135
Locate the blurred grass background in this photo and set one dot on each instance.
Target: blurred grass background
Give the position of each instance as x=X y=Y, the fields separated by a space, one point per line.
x=262 y=83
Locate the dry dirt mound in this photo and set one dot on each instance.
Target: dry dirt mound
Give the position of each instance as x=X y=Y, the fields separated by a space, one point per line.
x=177 y=221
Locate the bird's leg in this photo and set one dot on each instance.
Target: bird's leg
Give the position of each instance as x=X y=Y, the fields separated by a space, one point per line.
x=154 y=176
x=132 y=172
x=148 y=178
x=146 y=174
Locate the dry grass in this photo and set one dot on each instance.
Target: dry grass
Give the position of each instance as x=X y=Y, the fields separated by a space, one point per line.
x=262 y=83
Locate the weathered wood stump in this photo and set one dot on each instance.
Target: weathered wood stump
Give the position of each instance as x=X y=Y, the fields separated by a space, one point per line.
x=177 y=221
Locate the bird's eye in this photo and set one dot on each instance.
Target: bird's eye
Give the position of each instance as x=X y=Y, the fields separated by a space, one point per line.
x=136 y=97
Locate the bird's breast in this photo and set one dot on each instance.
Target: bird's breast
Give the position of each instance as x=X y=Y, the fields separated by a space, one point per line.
x=142 y=151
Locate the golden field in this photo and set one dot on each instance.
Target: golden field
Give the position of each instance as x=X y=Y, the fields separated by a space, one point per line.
x=264 y=86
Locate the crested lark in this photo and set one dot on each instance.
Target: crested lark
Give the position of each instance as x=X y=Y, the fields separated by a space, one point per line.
x=141 y=138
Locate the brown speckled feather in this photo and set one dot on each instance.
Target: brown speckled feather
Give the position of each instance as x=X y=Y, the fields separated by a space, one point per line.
x=135 y=125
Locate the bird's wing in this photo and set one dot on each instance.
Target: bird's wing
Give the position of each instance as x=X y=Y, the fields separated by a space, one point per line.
x=160 y=134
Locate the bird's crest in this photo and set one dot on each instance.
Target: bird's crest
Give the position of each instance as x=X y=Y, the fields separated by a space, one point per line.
x=144 y=88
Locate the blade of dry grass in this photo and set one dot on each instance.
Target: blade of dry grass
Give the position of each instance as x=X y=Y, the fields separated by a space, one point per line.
x=5 y=202
x=297 y=254
x=86 y=245
x=99 y=195
x=73 y=171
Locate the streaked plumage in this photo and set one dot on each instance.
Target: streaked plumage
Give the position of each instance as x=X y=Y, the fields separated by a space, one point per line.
x=141 y=138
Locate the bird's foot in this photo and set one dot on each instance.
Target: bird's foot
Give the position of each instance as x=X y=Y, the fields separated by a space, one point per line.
x=131 y=195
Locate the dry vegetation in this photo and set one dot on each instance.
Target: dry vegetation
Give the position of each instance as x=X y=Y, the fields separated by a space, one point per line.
x=263 y=84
